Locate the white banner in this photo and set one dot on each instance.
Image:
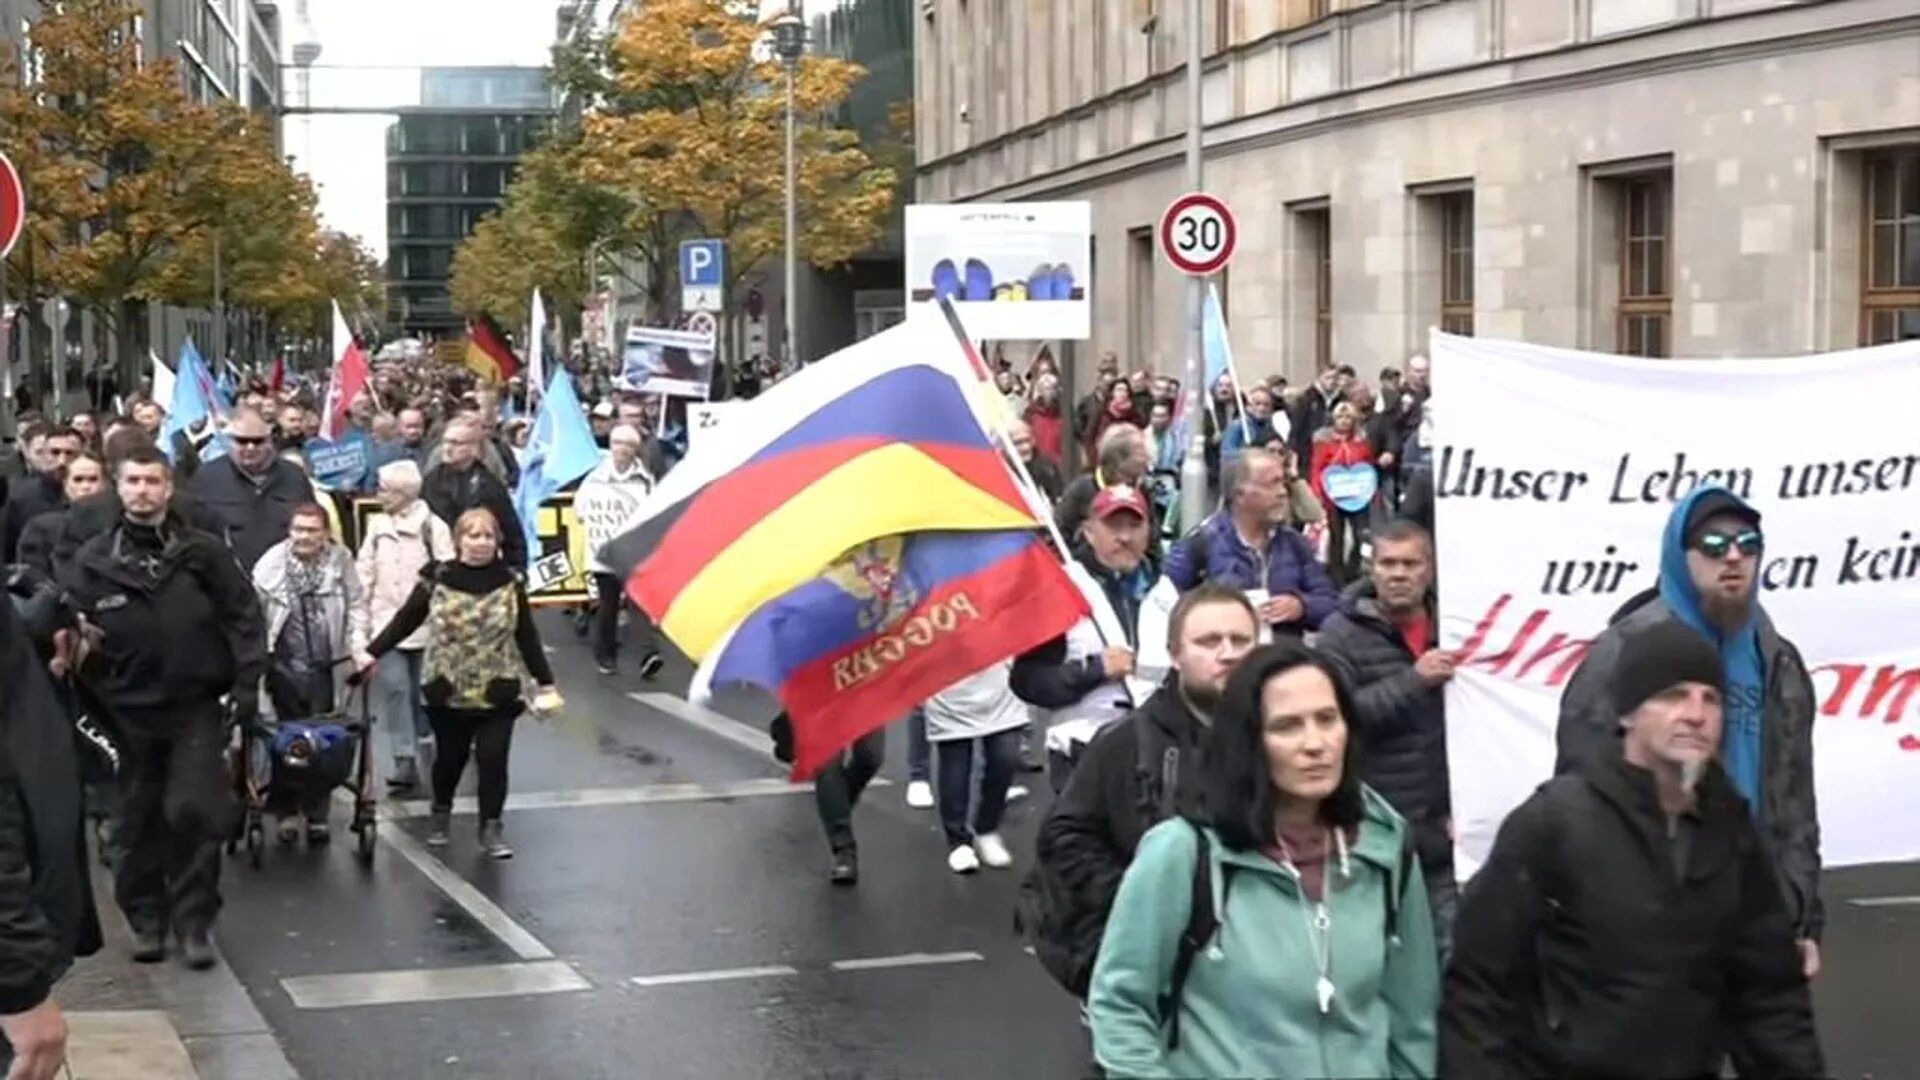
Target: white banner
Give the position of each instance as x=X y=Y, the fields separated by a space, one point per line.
x=1555 y=472
x=1020 y=271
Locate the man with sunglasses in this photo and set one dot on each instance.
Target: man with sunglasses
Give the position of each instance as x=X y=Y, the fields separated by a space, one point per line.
x=252 y=491
x=1709 y=572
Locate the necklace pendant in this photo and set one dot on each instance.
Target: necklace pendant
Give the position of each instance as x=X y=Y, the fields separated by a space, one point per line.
x=1325 y=987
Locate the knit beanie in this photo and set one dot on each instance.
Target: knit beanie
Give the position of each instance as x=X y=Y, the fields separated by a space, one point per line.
x=1659 y=656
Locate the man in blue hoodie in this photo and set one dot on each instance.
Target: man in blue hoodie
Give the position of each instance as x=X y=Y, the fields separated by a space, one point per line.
x=1709 y=573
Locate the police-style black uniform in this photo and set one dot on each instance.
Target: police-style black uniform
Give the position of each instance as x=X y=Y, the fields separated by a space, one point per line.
x=182 y=629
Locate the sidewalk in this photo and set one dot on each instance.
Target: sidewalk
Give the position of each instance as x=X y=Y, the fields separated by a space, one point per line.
x=133 y=1021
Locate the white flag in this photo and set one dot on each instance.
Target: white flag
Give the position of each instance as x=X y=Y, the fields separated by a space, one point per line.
x=162 y=380
x=537 y=347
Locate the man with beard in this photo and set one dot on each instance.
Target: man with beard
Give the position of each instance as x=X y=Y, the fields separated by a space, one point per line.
x=1133 y=775
x=180 y=629
x=30 y=496
x=1386 y=634
x=1709 y=559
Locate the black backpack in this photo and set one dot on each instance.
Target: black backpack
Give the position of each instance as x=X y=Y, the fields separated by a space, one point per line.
x=1060 y=926
x=1203 y=922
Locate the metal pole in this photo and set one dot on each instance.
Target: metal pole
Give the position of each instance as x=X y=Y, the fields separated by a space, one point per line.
x=1193 y=470
x=219 y=312
x=7 y=418
x=792 y=285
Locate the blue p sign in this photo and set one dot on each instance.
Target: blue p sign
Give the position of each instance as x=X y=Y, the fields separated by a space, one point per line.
x=702 y=263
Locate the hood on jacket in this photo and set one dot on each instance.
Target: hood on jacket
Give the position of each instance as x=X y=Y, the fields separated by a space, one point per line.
x=1676 y=584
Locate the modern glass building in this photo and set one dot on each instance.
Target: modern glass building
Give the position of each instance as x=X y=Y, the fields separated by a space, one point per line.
x=449 y=162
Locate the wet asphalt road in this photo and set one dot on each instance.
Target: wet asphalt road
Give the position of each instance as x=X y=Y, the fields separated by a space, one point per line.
x=720 y=889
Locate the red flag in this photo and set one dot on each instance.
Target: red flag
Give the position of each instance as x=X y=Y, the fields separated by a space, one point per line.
x=348 y=379
x=277 y=377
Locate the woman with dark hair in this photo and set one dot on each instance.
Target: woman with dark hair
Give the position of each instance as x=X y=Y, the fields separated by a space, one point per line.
x=1284 y=931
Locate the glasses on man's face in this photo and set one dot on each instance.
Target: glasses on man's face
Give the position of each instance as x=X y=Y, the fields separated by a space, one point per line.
x=248 y=440
x=1715 y=545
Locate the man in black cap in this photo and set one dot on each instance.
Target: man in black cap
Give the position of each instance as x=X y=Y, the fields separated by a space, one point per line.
x=1627 y=922
x=1709 y=577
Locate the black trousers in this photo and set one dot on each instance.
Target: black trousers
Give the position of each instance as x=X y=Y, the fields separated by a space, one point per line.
x=606 y=620
x=485 y=735
x=176 y=808
x=836 y=791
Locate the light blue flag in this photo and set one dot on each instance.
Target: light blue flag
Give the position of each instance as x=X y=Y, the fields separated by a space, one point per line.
x=559 y=451
x=1217 y=350
x=195 y=400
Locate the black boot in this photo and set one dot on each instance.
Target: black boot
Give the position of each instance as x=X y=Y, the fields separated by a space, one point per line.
x=846 y=868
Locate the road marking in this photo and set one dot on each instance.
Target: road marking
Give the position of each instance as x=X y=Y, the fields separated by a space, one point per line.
x=726 y=727
x=131 y=1044
x=1886 y=901
x=918 y=959
x=775 y=971
x=484 y=911
x=645 y=794
x=433 y=984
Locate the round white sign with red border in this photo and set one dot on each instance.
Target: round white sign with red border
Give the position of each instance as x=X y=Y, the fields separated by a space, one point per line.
x=1198 y=234
x=13 y=206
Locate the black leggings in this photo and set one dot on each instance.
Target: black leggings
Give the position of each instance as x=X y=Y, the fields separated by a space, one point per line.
x=485 y=733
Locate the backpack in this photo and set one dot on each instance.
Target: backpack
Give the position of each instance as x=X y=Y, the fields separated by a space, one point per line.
x=1063 y=934
x=1199 y=549
x=1203 y=921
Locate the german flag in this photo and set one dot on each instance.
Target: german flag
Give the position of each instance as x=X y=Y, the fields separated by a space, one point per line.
x=878 y=440
x=487 y=351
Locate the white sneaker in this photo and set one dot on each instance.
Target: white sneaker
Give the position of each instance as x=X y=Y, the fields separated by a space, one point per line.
x=962 y=860
x=993 y=850
x=1016 y=792
x=920 y=795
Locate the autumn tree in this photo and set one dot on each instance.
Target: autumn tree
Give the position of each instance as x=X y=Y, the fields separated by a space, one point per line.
x=697 y=130
x=542 y=236
x=131 y=180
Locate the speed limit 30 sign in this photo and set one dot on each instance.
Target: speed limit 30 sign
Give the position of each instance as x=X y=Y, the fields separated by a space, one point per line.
x=1197 y=234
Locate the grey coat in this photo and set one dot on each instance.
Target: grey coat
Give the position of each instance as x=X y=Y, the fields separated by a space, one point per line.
x=1790 y=821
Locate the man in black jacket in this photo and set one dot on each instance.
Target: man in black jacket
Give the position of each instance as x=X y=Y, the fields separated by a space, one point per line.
x=1133 y=775
x=47 y=917
x=252 y=492
x=1627 y=923
x=1386 y=635
x=182 y=629
x=36 y=493
x=460 y=483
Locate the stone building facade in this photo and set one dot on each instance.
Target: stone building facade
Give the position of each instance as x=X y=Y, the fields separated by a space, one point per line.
x=1665 y=177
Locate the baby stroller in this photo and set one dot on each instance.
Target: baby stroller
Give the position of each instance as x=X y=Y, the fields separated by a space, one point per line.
x=283 y=764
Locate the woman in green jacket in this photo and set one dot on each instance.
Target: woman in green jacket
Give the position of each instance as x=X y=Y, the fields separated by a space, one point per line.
x=1322 y=961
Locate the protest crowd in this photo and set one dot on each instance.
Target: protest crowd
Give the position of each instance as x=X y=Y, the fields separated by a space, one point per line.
x=1245 y=864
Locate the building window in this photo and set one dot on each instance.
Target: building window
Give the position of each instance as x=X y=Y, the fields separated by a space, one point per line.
x=1318 y=225
x=1140 y=257
x=1456 y=263
x=1646 y=293
x=1890 y=300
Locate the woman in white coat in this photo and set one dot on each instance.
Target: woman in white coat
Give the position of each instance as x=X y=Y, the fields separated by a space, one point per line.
x=977 y=716
x=398 y=546
x=311 y=601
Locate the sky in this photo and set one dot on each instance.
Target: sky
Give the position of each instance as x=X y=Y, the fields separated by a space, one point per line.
x=371 y=51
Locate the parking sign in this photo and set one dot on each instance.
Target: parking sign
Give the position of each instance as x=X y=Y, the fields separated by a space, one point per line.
x=703 y=271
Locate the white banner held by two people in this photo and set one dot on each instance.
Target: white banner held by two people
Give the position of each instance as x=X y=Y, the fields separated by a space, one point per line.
x=1555 y=472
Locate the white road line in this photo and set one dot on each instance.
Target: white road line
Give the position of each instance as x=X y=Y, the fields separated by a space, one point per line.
x=645 y=794
x=1886 y=901
x=907 y=960
x=484 y=911
x=432 y=984
x=726 y=727
x=776 y=971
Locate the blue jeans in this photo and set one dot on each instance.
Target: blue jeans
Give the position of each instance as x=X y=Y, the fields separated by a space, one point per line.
x=1000 y=754
x=919 y=751
x=397 y=709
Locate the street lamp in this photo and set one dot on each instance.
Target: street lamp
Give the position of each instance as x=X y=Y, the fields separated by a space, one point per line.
x=789 y=44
